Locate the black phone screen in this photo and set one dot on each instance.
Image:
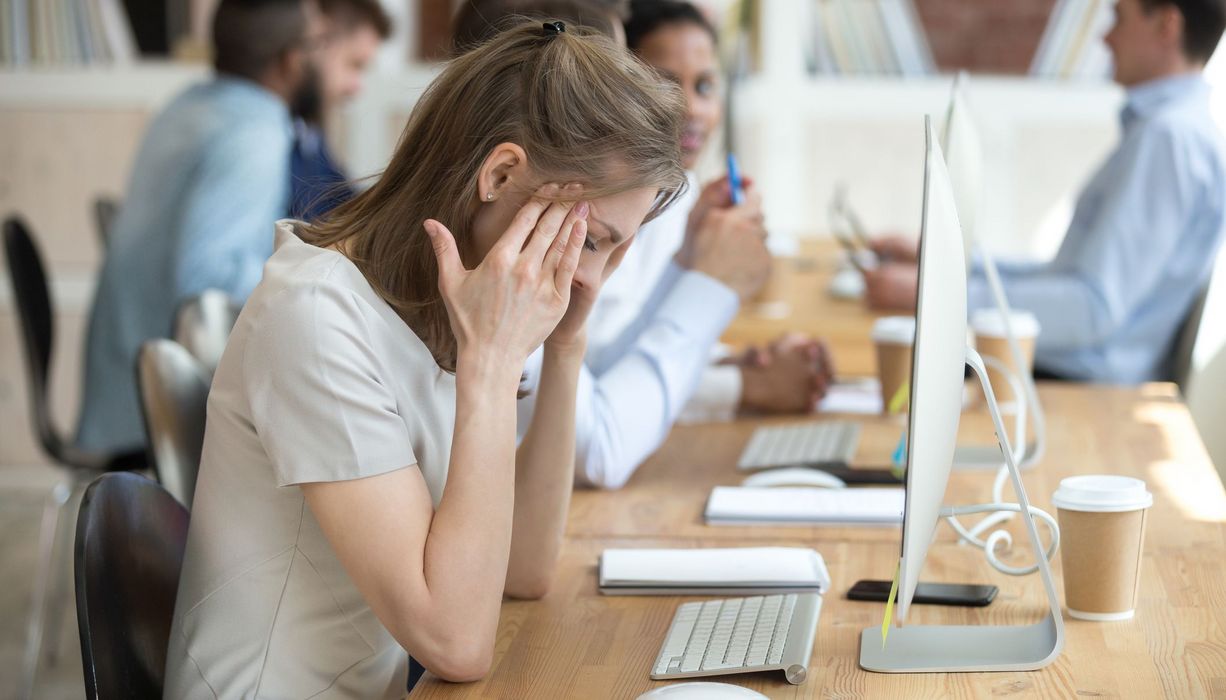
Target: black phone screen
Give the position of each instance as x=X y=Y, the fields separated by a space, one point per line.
x=965 y=594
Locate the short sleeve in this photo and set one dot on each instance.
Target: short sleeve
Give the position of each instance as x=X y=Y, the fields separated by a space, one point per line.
x=319 y=397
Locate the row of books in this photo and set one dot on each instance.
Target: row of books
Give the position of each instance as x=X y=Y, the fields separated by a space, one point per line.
x=1072 y=45
x=867 y=37
x=56 y=32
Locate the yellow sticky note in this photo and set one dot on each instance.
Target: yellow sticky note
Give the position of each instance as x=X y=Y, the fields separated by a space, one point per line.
x=900 y=397
x=889 y=607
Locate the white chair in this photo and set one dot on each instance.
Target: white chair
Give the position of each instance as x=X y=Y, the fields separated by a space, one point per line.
x=203 y=324
x=174 y=391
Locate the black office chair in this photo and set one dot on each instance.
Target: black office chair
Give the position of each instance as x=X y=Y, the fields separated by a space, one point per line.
x=34 y=311
x=131 y=535
x=105 y=211
x=1185 y=341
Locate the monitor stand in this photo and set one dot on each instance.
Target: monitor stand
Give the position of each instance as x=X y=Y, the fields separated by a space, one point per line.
x=976 y=648
x=988 y=456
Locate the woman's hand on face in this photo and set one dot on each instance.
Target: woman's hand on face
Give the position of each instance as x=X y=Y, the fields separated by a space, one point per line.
x=514 y=299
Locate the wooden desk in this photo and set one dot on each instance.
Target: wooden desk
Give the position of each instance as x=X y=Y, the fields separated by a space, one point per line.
x=576 y=643
x=798 y=287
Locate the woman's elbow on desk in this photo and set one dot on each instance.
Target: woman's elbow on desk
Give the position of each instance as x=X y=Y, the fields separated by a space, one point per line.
x=460 y=666
x=532 y=587
x=456 y=655
x=604 y=472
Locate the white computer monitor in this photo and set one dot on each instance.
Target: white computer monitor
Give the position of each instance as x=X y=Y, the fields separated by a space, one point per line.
x=962 y=148
x=960 y=144
x=938 y=363
x=939 y=356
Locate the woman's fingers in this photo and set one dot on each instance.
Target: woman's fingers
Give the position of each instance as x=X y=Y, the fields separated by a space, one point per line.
x=450 y=268
x=525 y=220
x=569 y=261
x=557 y=218
x=560 y=241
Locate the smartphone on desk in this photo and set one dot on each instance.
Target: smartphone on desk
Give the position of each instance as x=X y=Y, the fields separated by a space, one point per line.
x=964 y=594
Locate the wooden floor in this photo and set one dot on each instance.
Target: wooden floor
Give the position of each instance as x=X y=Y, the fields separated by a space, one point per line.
x=23 y=491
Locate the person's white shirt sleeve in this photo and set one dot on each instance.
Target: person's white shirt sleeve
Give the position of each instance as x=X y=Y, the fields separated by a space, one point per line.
x=632 y=391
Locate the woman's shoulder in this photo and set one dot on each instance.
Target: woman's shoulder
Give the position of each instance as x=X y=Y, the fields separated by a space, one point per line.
x=316 y=295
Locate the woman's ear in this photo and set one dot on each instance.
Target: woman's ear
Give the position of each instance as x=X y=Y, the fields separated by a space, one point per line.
x=504 y=168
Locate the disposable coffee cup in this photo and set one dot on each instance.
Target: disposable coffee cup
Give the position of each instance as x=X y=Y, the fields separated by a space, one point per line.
x=892 y=340
x=992 y=340
x=1102 y=533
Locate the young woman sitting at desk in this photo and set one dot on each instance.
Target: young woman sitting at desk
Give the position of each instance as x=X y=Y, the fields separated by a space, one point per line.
x=360 y=494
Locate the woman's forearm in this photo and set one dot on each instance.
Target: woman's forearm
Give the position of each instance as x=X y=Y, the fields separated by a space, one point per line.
x=544 y=475
x=471 y=529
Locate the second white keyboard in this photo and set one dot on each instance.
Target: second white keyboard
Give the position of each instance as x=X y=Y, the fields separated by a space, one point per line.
x=811 y=444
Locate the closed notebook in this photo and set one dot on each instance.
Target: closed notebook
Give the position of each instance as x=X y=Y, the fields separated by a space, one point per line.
x=741 y=570
x=742 y=505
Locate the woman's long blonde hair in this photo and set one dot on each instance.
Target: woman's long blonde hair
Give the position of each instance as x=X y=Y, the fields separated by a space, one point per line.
x=582 y=108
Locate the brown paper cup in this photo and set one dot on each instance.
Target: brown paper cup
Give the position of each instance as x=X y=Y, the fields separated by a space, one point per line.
x=991 y=340
x=1102 y=537
x=1101 y=554
x=893 y=370
x=992 y=346
x=892 y=340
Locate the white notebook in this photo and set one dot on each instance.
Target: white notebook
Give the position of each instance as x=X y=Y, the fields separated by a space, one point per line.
x=740 y=570
x=740 y=505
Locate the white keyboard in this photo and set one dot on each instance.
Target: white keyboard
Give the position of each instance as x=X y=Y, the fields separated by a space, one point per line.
x=815 y=444
x=738 y=635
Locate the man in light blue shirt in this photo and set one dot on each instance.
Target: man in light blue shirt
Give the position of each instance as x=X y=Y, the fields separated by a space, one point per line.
x=209 y=181
x=1146 y=228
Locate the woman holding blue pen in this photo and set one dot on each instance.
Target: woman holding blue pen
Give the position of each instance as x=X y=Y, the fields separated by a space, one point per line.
x=734 y=181
x=653 y=335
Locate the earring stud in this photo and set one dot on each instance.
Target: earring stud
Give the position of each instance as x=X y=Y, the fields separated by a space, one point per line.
x=489 y=195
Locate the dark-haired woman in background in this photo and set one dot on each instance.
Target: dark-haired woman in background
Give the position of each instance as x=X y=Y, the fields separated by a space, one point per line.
x=654 y=329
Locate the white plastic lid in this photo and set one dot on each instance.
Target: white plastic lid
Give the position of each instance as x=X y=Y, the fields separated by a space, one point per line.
x=991 y=322
x=1102 y=493
x=895 y=329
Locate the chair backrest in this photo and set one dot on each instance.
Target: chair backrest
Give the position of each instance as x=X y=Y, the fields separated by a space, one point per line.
x=203 y=324
x=129 y=549
x=25 y=266
x=1185 y=340
x=174 y=392
x=105 y=210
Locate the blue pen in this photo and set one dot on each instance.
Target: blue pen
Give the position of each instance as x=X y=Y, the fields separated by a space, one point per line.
x=734 y=181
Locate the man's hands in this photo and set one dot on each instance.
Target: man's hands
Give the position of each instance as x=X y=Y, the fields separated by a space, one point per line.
x=892 y=286
x=788 y=376
x=896 y=248
x=727 y=242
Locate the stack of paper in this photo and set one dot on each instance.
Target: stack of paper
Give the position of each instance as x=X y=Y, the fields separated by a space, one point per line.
x=740 y=505
x=742 y=571
x=853 y=396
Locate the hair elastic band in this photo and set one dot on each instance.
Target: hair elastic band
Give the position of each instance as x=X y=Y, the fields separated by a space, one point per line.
x=552 y=29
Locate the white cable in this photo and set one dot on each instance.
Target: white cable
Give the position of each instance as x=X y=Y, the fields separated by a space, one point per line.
x=1039 y=446
x=1002 y=474
x=993 y=541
